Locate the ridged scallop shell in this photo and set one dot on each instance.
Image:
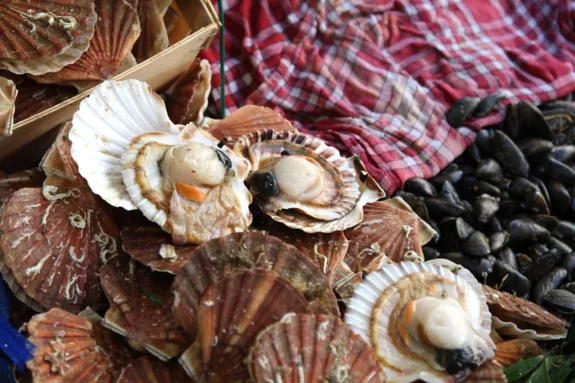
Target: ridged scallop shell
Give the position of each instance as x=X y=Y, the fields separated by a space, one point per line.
x=116 y=31
x=54 y=242
x=9 y=183
x=154 y=247
x=413 y=281
x=231 y=314
x=8 y=94
x=154 y=37
x=313 y=348
x=519 y=318
x=213 y=260
x=150 y=370
x=426 y=232
x=188 y=96
x=247 y=120
x=488 y=372
x=512 y=351
x=141 y=303
x=111 y=135
x=58 y=160
x=73 y=348
x=41 y=37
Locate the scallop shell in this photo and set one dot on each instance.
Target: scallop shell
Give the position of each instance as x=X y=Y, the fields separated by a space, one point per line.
x=154 y=37
x=163 y=6
x=54 y=242
x=116 y=31
x=8 y=94
x=488 y=372
x=188 y=96
x=231 y=314
x=73 y=349
x=141 y=303
x=150 y=370
x=426 y=232
x=212 y=261
x=313 y=348
x=413 y=281
x=9 y=183
x=153 y=247
x=519 y=318
x=58 y=160
x=249 y=119
x=512 y=351
x=42 y=37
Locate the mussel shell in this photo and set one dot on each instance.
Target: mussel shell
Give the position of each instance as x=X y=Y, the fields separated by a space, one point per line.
x=543 y=264
x=562 y=299
x=440 y=208
x=559 y=171
x=463 y=229
x=547 y=221
x=569 y=287
x=524 y=264
x=561 y=247
x=489 y=170
x=511 y=280
x=563 y=153
x=535 y=149
x=480 y=267
x=485 y=208
x=535 y=202
x=493 y=225
x=485 y=140
x=509 y=156
x=507 y=256
x=524 y=117
x=487 y=104
x=461 y=110
x=449 y=193
x=568 y=263
x=559 y=197
x=550 y=281
x=471 y=186
x=420 y=187
x=498 y=240
x=430 y=253
x=477 y=245
x=264 y=184
x=521 y=186
x=525 y=230
x=473 y=154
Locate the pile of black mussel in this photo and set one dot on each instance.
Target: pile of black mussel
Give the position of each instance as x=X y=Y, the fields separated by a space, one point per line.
x=505 y=209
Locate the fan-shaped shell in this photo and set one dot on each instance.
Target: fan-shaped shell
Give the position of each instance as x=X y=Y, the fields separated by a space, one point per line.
x=232 y=312
x=154 y=247
x=73 y=349
x=141 y=303
x=188 y=96
x=488 y=372
x=116 y=31
x=9 y=183
x=374 y=313
x=8 y=94
x=40 y=37
x=154 y=37
x=150 y=370
x=58 y=160
x=512 y=351
x=520 y=318
x=54 y=242
x=313 y=348
x=213 y=260
x=249 y=119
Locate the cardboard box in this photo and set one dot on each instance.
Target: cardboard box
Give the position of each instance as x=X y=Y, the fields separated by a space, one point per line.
x=31 y=137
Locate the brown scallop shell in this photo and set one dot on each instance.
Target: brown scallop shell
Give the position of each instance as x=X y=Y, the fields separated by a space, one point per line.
x=385 y=230
x=249 y=119
x=8 y=94
x=163 y=6
x=313 y=348
x=188 y=96
x=38 y=37
x=54 y=242
x=141 y=303
x=115 y=33
x=525 y=314
x=154 y=37
x=153 y=247
x=58 y=159
x=488 y=372
x=231 y=313
x=73 y=349
x=211 y=261
x=150 y=370
x=10 y=183
x=512 y=351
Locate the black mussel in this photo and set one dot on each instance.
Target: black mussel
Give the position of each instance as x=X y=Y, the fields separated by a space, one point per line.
x=415 y=204
x=535 y=202
x=420 y=187
x=498 y=240
x=558 y=120
x=524 y=264
x=489 y=170
x=487 y=104
x=461 y=110
x=526 y=230
x=559 y=171
x=509 y=156
x=507 y=256
x=264 y=184
x=559 y=139
x=543 y=264
x=485 y=141
x=561 y=299
x=510 y=280
x=569 y=287
x=435 y=240
x=439 y=208
x=549 y=282
x=453 y=176
x=463 y=229
x=535 y=149
x=558 y=107
x=504 y=184
x=570 y=136
x=542 y=187
x=473 y=154
x=565 y=230
x=521 y=185
x=563 y=153
x=559 y=197
x=430 y=253
x=537 y=249
x=507 y=209
x=449 y=193
x=421 y=210
x=568 y=262
x=526 y=118
x=471 y=186
x=561 y=247
x=477 y=245
x=572 y=193
x=547 y=221
x=485 y=207
x=493 y=225
x=480 y=267
x=456 y=360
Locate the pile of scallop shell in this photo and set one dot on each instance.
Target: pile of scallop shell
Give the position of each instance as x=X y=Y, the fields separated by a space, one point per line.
x=160 y=245
x=52 y=49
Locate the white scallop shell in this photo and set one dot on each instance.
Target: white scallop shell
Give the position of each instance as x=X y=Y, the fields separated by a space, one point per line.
x=105 y=124
x=510 y=329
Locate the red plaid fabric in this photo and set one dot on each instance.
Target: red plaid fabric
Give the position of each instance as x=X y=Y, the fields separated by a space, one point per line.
x=375 y=77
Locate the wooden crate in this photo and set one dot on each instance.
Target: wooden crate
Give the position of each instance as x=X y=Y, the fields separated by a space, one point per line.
x=31 y=137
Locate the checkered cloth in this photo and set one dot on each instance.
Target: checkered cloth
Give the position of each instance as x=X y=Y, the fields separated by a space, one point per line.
x=375 y=77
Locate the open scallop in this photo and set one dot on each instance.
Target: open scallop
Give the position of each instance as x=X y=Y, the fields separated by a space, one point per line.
x=423 y=321
x=180 y=177
x=305 y=184
x=8 y=94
